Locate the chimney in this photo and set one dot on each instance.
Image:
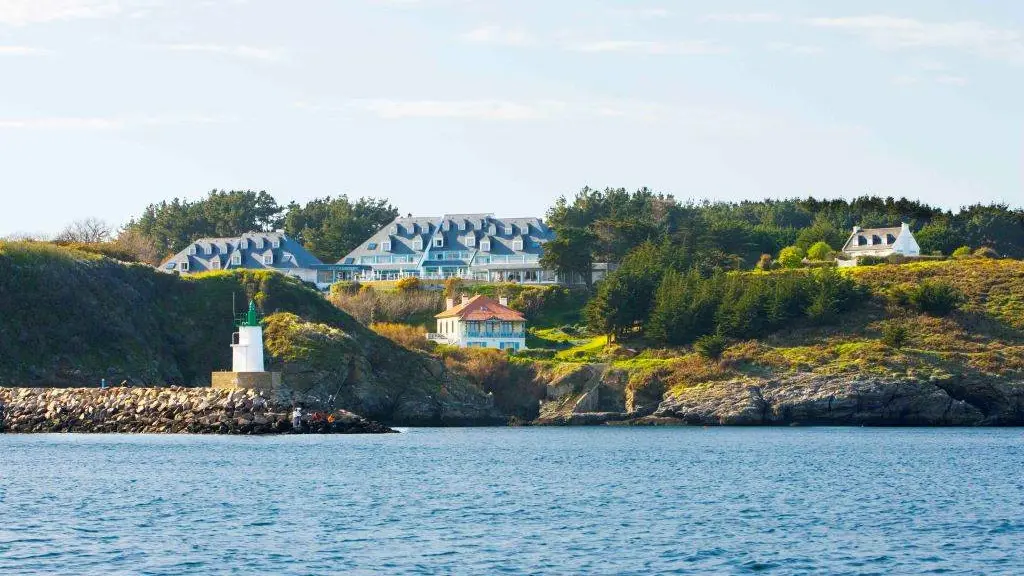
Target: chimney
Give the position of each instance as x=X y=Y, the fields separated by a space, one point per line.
x=465 y=299
x=449 y=303
x=503 y=300
x=856 y=229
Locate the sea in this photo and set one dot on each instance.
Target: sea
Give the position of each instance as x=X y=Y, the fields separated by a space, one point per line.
x=602 y=500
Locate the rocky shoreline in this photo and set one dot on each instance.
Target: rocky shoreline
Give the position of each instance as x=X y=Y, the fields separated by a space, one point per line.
x=172 y=410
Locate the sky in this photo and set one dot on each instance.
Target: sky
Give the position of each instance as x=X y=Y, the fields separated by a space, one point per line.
x=501 y=106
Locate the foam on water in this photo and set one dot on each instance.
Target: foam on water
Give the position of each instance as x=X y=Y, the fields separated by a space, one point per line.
x=514 y=501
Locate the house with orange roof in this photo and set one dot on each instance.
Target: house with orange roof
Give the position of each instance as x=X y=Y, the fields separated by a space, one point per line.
x=481 y=322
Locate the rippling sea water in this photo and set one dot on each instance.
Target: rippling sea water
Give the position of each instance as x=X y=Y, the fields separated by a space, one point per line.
x=518 y=501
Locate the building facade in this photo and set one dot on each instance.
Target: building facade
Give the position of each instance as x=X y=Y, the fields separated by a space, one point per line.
x=469 y=246
x=881 y=242
x=481 y=322
x=274 y=251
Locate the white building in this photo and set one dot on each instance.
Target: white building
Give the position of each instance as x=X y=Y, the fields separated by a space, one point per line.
x=481 y=322
x=881 y=242
x=247 y=344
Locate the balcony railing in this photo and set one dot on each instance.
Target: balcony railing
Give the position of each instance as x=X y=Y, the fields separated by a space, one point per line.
x=495 y=334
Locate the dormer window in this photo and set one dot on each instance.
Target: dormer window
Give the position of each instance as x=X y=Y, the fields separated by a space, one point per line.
x=192 y=250
x=393 y=230
x=275 y=243
x=183 y=265
x=445 y=225
x=862 y=241
x=462 y=225
x=439 y=242
x=236 y=259
x=485 y=245
x=471 y=240
x=215 y=264
x=268 y=259
x=890 y=239
x=371 y=246
x=386 y=246
x=517 y=245
x=417 y=244
x=243 y=244
x=257 y=243
x=875 y=240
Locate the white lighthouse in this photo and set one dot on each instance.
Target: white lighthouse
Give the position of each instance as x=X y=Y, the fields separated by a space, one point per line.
x=247 y=369
x=247 y=344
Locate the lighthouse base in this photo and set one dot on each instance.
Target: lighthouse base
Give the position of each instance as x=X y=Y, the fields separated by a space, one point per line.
x=264 y=381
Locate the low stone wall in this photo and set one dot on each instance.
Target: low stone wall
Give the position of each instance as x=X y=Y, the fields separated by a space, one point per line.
x=165 y=410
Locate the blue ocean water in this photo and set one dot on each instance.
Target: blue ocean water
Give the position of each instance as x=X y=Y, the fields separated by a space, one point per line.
x=518 y=501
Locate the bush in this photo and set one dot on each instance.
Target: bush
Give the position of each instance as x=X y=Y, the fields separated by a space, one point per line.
x=791 y=257
x=711 y=346
x=537 y=354
x=895 y=334
x=345 y=287
x=765 y=262
x=412 y=337
x=962 y=252
x=410 y=284
x=452 y=287
x=872 y=260
x=935 y=297
x=985 y=252
x=820 y=251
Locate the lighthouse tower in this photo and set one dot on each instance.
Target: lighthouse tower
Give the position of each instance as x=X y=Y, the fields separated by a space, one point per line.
x=247 y=343
x=247 y=369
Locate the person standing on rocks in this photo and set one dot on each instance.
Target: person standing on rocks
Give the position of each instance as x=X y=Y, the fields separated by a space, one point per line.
x=297 y=419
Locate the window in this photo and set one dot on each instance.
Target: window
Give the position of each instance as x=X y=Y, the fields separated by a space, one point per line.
x=862 y=241
x=890 y=239
x=471 y=240
x=350 y=260
x=393 y=230
x=192 y=250
x=418 y=245
x=268 y=259
x=183 y=265
x=276 y=243
x=371 y=246
x=215 y=263
x=243 y=244
x=439 y=242
x=517 y=245
x=236 y=259
x=386 y=246
x=875 y=240
x=485 y=245
x=438 y=255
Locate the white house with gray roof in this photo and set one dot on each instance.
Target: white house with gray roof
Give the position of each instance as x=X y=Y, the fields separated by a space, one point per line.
x=881 y=242
x=253 y=251
x=471 y=246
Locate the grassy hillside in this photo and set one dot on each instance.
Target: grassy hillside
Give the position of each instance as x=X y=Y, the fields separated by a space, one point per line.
x=73 y=317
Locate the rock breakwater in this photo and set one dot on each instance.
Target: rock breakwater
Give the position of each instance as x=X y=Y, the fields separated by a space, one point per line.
x=173 y=410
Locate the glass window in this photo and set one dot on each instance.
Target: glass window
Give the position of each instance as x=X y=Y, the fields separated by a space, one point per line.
x=371 y=246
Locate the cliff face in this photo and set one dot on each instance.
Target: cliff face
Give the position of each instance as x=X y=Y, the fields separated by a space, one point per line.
x=849 y=400
x=70 y=319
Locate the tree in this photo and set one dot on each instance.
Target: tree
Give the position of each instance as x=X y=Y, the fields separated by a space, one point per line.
x=330 y=227
x=962 y=252
x=171 y=226
x=791 y=257
x=88 y=231
x=569 y=253
x=624 y=299
x=819 y=251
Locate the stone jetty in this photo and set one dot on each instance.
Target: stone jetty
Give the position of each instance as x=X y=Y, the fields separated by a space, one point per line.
x=172 y=410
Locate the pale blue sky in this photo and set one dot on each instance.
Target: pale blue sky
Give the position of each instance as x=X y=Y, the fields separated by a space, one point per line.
x=501 y=105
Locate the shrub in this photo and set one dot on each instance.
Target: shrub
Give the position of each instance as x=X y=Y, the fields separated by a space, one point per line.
x=345 y=287
x=537 y=354
x=410 y=284
x=765 y=262
x=711 y=346
x=935 y=297
x=962 y=252
x=412 y=337
x=452 y=287
x=820 y=251
x=791 y=257
x=895 y=334
x=985 y=252
x=872 y=260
